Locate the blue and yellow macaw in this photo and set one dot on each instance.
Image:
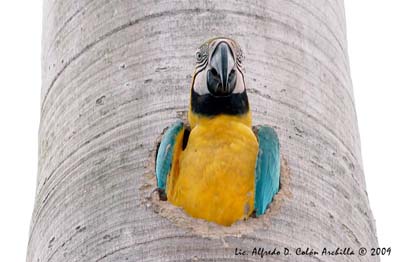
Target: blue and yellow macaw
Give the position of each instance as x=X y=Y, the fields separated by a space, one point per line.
x=219 y=169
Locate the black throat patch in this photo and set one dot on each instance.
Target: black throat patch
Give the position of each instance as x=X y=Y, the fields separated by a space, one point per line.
x=210 y=105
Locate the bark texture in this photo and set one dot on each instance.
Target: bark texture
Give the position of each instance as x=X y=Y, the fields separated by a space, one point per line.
x=116 y=73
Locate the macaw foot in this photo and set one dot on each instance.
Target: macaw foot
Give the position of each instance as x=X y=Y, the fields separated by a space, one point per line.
x=162 y=194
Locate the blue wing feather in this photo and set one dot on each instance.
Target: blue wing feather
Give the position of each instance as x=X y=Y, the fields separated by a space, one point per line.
x=267 y=168
x=165 y=154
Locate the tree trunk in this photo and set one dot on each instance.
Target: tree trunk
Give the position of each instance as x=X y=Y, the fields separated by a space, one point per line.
x=116 y=73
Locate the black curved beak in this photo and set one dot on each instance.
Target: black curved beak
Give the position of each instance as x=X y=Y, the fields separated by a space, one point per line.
x=221 y=78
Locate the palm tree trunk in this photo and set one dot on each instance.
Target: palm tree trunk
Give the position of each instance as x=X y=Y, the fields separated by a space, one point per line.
x=116 y=73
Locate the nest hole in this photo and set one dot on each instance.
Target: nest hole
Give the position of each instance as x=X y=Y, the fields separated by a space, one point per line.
x=156 y=201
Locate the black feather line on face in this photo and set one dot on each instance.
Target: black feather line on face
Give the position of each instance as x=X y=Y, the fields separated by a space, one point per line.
x=210 y=105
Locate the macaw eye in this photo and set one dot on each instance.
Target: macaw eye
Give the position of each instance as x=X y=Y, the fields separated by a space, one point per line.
x=198 y=56
x=239 y=56
x=202 y=54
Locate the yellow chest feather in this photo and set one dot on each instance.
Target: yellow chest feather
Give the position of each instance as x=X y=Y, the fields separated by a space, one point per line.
x=213 y=178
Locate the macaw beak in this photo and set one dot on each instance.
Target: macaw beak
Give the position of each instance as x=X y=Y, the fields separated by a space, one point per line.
x=221 y=77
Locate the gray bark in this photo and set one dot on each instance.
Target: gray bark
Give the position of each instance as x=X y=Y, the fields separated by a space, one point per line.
x=116 y=73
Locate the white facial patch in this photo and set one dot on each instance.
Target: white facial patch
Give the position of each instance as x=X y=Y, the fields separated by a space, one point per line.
x=234 y=63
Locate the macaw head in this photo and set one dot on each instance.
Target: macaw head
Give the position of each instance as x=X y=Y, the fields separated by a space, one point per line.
x=218 y=86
